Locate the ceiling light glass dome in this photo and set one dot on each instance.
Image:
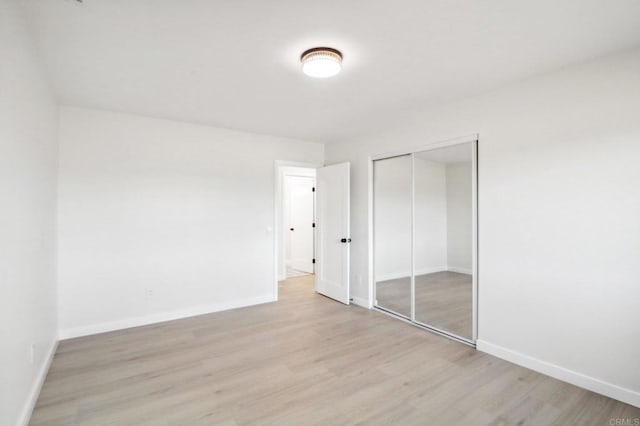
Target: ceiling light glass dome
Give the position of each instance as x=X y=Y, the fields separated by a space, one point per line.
x=321 y=62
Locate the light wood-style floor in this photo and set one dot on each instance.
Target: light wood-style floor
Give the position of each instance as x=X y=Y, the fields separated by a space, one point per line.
x=443 y=300
x=302 y=360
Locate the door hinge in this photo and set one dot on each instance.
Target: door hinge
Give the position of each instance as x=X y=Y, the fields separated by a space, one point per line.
x=313 y=225
x=313 y=189
x=313 y=261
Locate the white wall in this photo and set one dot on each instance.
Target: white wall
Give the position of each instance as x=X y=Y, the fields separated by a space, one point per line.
x=442 y=217
x=392 y=218
x=162 y=219
x=430 y=216
x=28 y=127
x=559 y=202
x=459 y=217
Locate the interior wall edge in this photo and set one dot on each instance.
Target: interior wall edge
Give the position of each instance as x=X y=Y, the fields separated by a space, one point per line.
x=28 y=164
x=561 y=373
x=105 y=327
x=30 y=403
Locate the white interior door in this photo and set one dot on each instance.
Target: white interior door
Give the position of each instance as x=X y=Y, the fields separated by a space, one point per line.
x=300 y=253
x=332 y=232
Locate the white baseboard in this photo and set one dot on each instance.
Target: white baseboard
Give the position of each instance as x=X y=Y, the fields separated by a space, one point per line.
x=104 y=327
x=406 y=274
x=391 y=276
x=360 y=301
x=27 y=410
x=301 y=265
x=467 y=271
x=431 y=270
x=422 y=271
x=587 y=382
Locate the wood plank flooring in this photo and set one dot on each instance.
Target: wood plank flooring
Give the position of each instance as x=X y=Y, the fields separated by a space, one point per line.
x=304 y=360
x=443 y=300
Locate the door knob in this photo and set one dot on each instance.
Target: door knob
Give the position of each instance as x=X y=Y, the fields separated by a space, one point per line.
x=345 y=240
x=291 y=229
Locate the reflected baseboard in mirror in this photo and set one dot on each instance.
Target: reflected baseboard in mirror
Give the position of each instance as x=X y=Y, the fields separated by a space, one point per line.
x=395 y=295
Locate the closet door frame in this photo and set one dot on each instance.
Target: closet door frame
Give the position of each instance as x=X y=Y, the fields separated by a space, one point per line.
x=473 y=139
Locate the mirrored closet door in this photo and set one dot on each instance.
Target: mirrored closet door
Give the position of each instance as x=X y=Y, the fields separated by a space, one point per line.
x=424 y=238
x=392 y=218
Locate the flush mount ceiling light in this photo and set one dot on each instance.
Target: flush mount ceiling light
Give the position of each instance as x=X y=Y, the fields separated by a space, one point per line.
x=321 y=62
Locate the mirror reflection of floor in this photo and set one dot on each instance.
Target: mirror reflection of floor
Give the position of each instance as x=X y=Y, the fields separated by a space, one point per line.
x=443 y=300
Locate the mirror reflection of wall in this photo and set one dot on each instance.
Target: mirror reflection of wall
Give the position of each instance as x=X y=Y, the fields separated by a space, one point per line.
x=443 y=243
x=392 y=216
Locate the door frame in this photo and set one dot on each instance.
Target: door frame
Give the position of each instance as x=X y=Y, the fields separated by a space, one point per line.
x=278 y=233
x=474 y=137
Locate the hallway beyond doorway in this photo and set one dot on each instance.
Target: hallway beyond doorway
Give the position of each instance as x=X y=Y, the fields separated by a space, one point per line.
x=294 y=273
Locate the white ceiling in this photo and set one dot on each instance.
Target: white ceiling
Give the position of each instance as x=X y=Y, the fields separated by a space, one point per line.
x=235 y=63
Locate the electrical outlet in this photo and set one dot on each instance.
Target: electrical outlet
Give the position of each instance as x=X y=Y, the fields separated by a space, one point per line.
x=149 y=292
x=32 y=353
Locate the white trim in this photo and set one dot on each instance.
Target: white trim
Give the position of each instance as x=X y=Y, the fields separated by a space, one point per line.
x=423 y=271
x=406 y=274
x=422 y=326
x=370 y=236
x=468 y=271
x=587 y=382
x=474 y=239
x=414 y=271
x=426 y=147
x=300 y=265
x=27 y=410
x=299 y=171
x=360 y=301
x=104 y=327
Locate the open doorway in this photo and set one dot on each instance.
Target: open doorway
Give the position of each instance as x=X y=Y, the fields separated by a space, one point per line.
x=323 y=219
x=298 y=210
x=296 y=205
